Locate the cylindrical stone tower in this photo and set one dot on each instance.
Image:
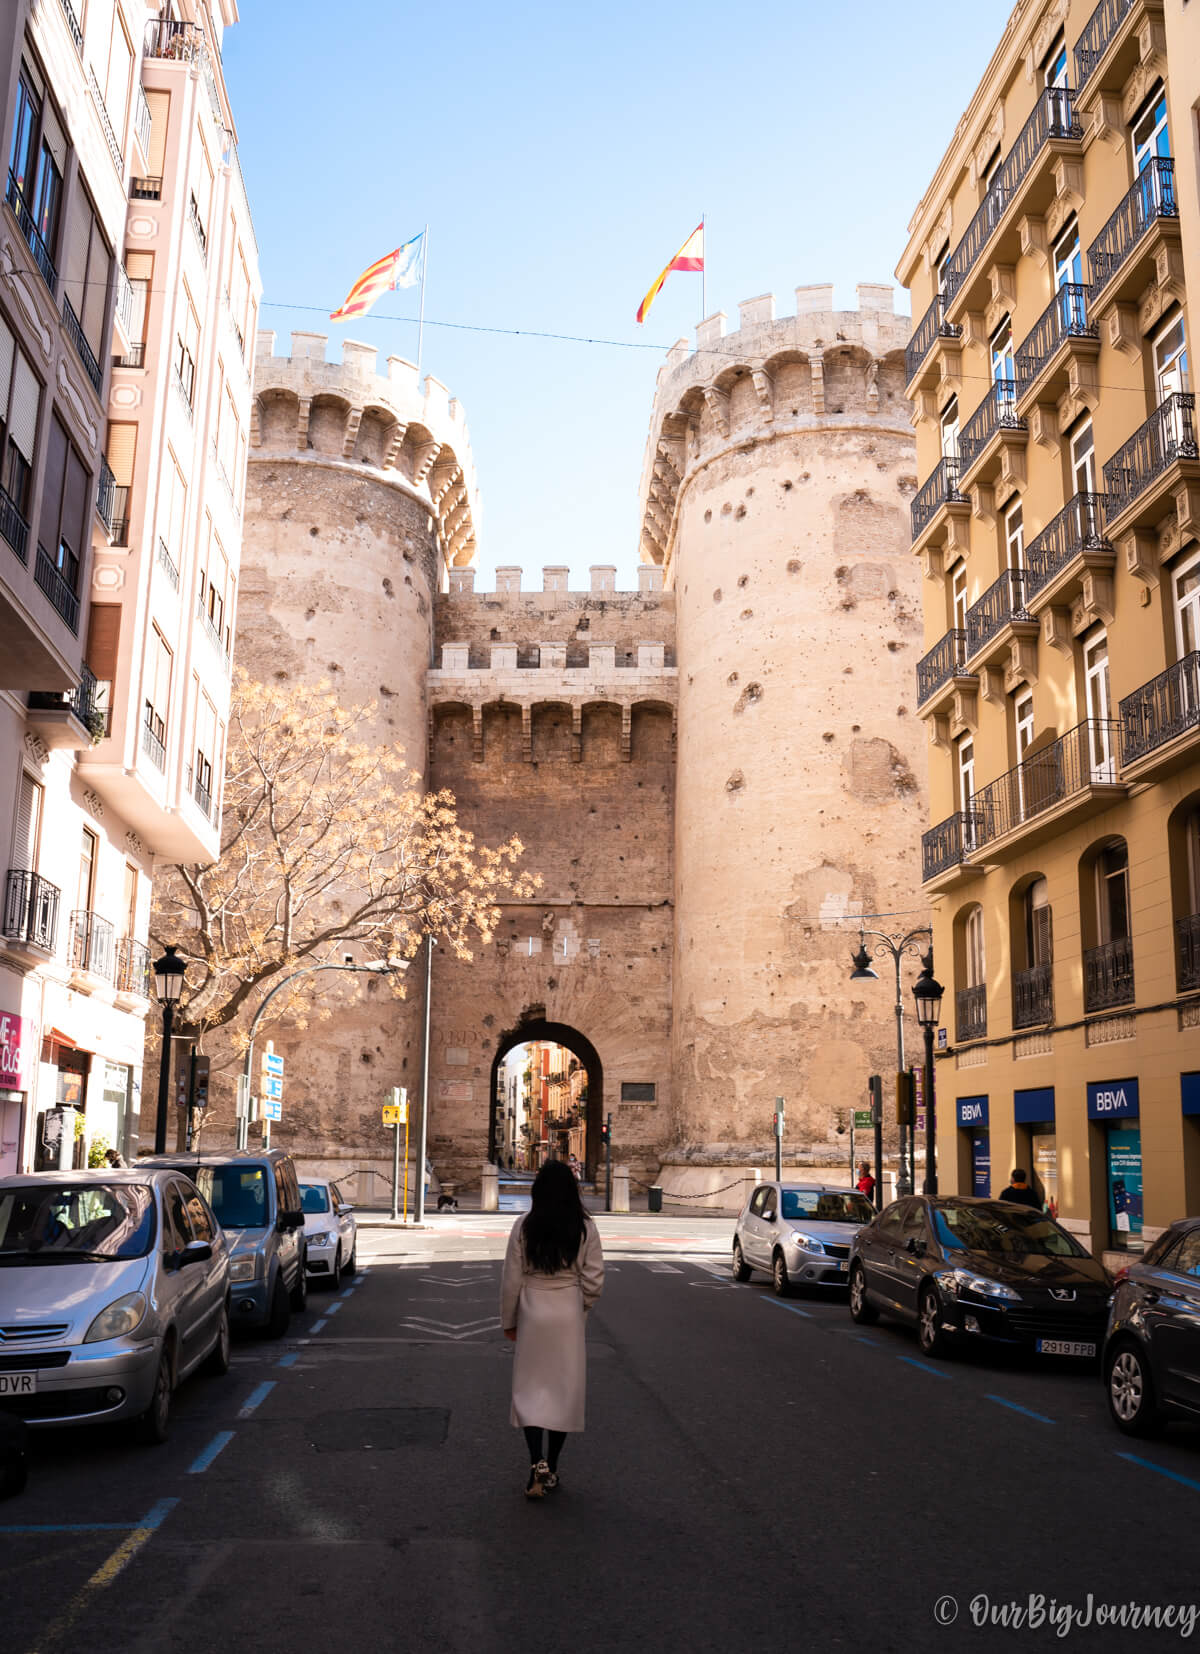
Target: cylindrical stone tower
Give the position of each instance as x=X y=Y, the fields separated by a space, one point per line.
x=360 y=493
x=775 y=494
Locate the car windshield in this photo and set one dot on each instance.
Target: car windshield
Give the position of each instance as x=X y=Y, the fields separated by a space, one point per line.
x=1012 y=1230
x=76 y=1222
x=315 y=1197
x=827 y=1206
x=237 y=1194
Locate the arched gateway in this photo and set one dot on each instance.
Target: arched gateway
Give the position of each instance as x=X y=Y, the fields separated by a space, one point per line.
x=540 y=1031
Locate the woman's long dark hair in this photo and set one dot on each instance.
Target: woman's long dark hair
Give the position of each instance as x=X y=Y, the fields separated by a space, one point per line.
x=553 y=1227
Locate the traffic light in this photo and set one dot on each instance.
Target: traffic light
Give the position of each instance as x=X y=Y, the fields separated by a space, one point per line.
x=606 y=1131
x=904 y=1097
x=199 y=1083
x=875 y=1088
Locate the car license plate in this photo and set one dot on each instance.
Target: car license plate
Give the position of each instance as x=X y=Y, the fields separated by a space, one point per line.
x=843 y=1265
x=1064 y=1346
x=18 y=1384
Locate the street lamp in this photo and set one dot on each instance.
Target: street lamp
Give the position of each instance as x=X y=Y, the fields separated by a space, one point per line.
x=168 y=985
x=927 y=991
x=894 y=948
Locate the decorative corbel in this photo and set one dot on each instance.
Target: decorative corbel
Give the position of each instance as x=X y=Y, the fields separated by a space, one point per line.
x=353 y=421
x=395 y=443
x=423 y=459
x=527 y=734
x=873 y=386
x=1097 y=595
x=1022 y=663
x=1139 y=553
x=964 y=709
x=1119 y=329
x=1107 y=126
x=1003 y=301
x=939 y=732
x=303 y=409
x=717 y=402
x=975 y=329
x=1187 y=509
x=764 y=389
x=983 y=501
x=576 y=734
x=816 y=363
x=626 y=733
x=1068 y=188
x=991 y=684
x=477 y=734
x=1034 y=241
x=1056 y=629
x=931 y=563
x=1044 y=427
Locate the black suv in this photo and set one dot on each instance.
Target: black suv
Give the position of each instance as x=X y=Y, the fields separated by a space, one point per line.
x=1152 y=1347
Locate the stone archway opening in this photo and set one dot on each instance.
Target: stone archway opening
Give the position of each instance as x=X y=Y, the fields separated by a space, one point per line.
x=549 y=1101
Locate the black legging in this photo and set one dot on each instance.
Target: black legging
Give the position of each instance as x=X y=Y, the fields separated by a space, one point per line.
x=533 y=1440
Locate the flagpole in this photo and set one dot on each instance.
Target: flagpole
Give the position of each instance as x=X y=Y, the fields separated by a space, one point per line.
x=703 y=266
x=421 y=313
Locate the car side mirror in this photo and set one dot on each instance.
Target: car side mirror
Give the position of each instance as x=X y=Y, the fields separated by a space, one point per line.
x=194 y=1252
x=915 y=1246
x=769 y=1216
x=343 y=1209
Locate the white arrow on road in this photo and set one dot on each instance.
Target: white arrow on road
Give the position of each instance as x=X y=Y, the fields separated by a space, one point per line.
x=456 y=1330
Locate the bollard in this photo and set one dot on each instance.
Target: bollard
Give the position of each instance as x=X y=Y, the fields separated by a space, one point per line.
x=489 y=1192
x=620 y=1194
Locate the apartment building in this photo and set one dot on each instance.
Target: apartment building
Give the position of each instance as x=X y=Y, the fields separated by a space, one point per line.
x=128 y=287
x=1057 y=521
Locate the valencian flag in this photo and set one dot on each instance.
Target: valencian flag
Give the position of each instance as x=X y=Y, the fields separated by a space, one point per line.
x=689 y=257
x=397 y=269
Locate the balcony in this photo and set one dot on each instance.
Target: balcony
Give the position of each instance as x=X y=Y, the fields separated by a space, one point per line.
x=13 y=527
x=993 y=440
x=123 y=313
x=201 y=794
x=167 y=563
x=29 y=229
x=938 y=500
x=141 y=120
x=92 y=947
x=1033 y=996
x=106 y=125
x=1108 y=975
x=30 y=911
x=1122 y=259
x=1107 y=49
x=212 y=633
x=1069 y=549
x=72 y=21
x=154 y=738
x=184 y=389
x=197 y=225
x=943 y=668
x=997 y=618
x=932 y=327
x=970 y=1014
x=112 y=506
x=1060 y=351
x=1187 y=953
x=1159 y=721
x=174 y=42
x=83 y=350
x=947 y=848
x=51 y=581
x=145 y=189
x=134 y=357
x=133 y=969
x=67 y=717
x=1141 y=477
x=1072 y=776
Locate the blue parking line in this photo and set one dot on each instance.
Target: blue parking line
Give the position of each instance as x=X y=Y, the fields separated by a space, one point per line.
x=256 y=1398
x=861 y=1338
x=1028 y=1411
x=317 y=1325
x=923 y=1365
x=288 y=1360
x=333 y=1309
x=794 y=1308
x=157 y=1514
x=220 y=1440
x=1173 y=1475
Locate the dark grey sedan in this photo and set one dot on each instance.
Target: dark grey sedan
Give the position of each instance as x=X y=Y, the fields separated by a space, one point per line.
x=1152 y=1347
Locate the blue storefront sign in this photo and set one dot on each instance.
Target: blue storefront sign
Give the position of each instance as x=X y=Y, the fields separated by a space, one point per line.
x=1112 y=1100
x=1189 y=1087
x=971 y=1112
x=1034 y=1107
x=981 y=1164
x=1125 y=1185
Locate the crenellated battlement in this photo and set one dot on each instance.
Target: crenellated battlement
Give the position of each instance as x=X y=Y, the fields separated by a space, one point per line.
x=556 y=584
x=410 y=432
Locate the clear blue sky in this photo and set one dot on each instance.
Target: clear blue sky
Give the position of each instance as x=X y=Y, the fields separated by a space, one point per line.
x=560 y=155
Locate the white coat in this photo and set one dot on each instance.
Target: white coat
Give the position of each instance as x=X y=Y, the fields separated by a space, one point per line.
x=550 y=1363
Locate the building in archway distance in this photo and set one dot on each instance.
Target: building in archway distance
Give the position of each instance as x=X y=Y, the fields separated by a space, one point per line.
x=714 y=774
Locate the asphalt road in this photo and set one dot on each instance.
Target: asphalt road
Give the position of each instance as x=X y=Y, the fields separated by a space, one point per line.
x=754 y=1475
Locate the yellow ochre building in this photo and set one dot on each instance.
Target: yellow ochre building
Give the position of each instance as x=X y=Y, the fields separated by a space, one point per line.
x=1057 y=523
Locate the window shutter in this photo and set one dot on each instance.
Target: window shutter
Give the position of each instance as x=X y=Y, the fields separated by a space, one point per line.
x=25 y=835
x=54 y=140
x=95 y=293
x=119 y=65
x=24 y=415
x=160 y=109
x=52 y=485
x=104 y=636
x=75 y=506
x=75 y=263
x=99 y=36
x=119 y=452
x=7 y=348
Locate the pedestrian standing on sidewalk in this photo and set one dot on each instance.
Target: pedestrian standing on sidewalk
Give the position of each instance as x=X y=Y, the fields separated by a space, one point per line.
x=866 y=1183
x=553 y=1274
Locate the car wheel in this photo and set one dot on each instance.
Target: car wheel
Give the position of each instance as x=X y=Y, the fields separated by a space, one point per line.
x=861 y=1308
x=217 y=1363
x=1130 y=1392
x=300 y=1290
x=352 y=1266
x=780 y=1280
x=281 y=1310
x=153 y=1426
x=929 y=1332
x=335 y=1277
x=741 y=1269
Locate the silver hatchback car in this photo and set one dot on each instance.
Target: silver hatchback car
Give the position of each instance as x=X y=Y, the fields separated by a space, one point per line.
x=799 y=1234
x=114 y=1286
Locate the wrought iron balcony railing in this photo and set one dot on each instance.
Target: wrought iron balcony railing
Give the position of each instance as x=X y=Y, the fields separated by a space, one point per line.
x=1098 y=31
x=68 y=12
x=1168 y=435
x=52 y=581
x=947 y=659
x=154 y=737
x=134 y=357
x=1065 y=317
x=997 y=412
x=124 y=306
x=145 y=189
x=81 y=700
x=112 y=502
x=110 y=136
x=212 y=631
x=176 y=42
x=29 y=229
x=141 y=120
x=1002 y=603
x=932 y=327
x=201 y=792
x=31 y=909
x=1085 y=756
x=949 y=844
x=133 y=967
x=1033 y=996
x=167 y=563
x=1077 y=528
x=13 y=527
x=84 y=350
x=1166 y=706
x=1151 y=198
x=93 y=945
x=197 y=225
x=970 y=1013
x=939 y=490
x=1187 y=952
x=1108 y=975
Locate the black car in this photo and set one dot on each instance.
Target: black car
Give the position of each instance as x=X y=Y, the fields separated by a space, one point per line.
x=981 y=1271
x=1152 y=1347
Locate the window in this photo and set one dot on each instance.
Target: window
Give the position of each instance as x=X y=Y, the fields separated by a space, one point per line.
x=1186 y=585
x=227 y=438
x=130 y=899
x=966 y=772
x=1068 y=260
x=1083 y=459
x=1002 y=353
x=201 y=187
x=103 y=640
x=177 y=1231
x=1014 y=536
x=1148 y=134
x=974 y=959
x=139 y=267
x=949 y=426
x=157 y=700
x=991 y=170
x=173 y=512
x=1170 y=357
x=66 y=506
x=28 y=827
x=159 y=105
x=1054 y=64
x=1039 y=936
x=20 y=397
x=187 y=347
x=1112 y=893
x=112 y=60
x=1023 y=723
x=38 y=157
x=86 y=887
x=939 y=267
x=206 y=753
x=1099 y=707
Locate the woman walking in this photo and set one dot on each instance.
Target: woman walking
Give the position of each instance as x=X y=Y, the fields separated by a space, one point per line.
x=553 y=1274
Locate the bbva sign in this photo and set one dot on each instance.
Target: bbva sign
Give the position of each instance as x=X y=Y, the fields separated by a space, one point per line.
x=972 y=1111
x=1112 y=1099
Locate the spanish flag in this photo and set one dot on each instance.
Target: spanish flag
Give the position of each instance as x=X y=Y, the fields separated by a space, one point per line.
x=396 y=269
x=689 y=257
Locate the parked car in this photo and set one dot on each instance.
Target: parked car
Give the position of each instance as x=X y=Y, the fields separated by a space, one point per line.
x=114 y=1287
x=799 y=1233
x=256 y=1198
x=961 y=1269
x=1151 y=1361
x=330 y=1232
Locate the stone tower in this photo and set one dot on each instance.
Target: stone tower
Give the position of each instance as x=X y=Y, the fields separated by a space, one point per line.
x=360 y=493
x=775 y=498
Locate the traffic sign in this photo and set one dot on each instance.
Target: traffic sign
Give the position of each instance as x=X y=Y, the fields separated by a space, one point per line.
x=272 y=1064
x=863 y=1119
x=272 y=1110
x=392 y=1115
x=273 y=1088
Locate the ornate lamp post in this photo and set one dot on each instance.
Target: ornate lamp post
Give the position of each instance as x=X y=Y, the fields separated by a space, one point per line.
x=927 y=991
x=168 y=985
x=894 y=948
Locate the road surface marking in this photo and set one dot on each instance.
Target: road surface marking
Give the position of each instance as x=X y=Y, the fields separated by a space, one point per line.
x=923 y=1365
x=220 y=1440
x=333 y=1309
x=1149 y=1464
x=861 y=1338
x=105 y=1573
x=290 y=1359
x=1028 y=1412
x=317 y=1325
x=257 y=1397
x=663 y=1269
x=793 y=1309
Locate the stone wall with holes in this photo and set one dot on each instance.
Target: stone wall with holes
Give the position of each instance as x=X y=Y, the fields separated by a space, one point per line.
x=775 y=500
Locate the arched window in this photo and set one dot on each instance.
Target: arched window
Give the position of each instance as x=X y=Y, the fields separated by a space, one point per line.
x=970 y=973
x=1105 y=911
x=1033 y=958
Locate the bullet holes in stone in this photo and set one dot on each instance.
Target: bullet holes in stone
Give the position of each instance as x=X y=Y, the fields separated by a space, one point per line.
x=743 y=579
x=408 y=553
x=726 y=509
x=749 y=493
x=366 y=1057
x=748 y=696
x=828 y=735
x=387 y=693
x=310 y=614
x=855 y=729
x=313 y=533
x=708 y=516
x=892 y=596
x=408 y=580
x=747 y=614
x=389 y=589
x=902 y=712
x=739 y=513
x=281 y=676
x=906 y=484
x=717 y=595
x=894 y=647
x=732 y=678
x=793 y=565
x=333 y=667
x=736 y=782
